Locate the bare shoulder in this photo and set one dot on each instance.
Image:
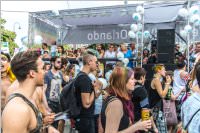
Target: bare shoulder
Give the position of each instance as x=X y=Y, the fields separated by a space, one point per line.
x=16 y=110
x=12 y=88
x=155 y=80
x=115 y=102
x=154 y=83
x=115 y=105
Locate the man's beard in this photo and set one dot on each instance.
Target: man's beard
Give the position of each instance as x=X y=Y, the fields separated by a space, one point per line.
x=57 y=68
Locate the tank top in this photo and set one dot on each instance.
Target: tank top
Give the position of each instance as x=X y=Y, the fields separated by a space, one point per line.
x=178 y=83
x=36 y=111
x=124 y=122
x=154 y=98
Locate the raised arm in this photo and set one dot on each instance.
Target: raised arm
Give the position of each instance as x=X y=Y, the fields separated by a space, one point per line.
x=157 y=85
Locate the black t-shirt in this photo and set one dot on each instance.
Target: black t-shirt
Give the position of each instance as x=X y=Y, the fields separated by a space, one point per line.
x=140 y=100
x=83 y=84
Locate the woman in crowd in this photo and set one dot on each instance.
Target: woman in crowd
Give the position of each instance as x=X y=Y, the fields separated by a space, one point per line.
x=193 y=83
x=190 y=110
x=121 y=84
x=70 y=72
x=170 y=96
x=60 y=51
x=127 y=54
x=157 y=92
x=179 y=85
x=145 y=56
x=180 y=77
x=140 y=97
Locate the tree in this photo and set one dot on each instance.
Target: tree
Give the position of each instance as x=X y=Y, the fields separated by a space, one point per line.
x=8 y=36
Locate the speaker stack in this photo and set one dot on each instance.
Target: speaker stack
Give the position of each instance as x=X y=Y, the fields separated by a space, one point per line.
x=165 y=47
x=165 y=53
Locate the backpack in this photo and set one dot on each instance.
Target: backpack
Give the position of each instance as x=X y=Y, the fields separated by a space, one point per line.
x=68 y=100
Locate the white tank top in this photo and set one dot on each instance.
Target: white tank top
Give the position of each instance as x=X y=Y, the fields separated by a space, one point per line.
x=178 y=83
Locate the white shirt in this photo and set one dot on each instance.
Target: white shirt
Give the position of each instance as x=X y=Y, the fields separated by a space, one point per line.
x=178 y=83
x=109 y=54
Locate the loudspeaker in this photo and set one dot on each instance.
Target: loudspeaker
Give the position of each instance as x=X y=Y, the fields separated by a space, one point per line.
x=165 y=46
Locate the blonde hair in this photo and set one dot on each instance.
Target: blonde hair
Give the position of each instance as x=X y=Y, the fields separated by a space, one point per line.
x=158 y=67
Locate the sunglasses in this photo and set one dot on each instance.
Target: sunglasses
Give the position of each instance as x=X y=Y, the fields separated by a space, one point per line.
x=58 y=62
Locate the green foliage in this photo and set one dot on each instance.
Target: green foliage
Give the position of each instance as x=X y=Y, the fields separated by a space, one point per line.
x=2 y=22
x=8 y=36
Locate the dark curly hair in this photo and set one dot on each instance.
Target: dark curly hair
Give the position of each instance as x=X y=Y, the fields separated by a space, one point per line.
x=23 y=62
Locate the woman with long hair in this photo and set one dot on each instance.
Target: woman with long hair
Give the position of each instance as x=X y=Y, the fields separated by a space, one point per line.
x=117 y=111
x=193 y=83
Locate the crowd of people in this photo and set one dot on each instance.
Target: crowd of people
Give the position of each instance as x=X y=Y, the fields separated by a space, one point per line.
x=110 y=101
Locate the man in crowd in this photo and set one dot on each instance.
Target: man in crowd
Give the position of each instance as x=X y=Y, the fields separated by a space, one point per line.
x=133 y=50
x=20 y=114
x=195 y=56
x=110 y=54
x=177 y=50
x=86 y=93
x=54 y=80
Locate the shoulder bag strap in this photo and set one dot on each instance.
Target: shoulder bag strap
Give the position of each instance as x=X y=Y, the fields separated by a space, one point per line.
x=191 y=119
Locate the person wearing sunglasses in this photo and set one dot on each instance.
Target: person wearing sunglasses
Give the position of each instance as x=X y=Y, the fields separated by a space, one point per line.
x=53 y=80
x=5 y=78
x=110 y=53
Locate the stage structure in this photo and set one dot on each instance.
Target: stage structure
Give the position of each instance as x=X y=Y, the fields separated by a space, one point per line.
x=105 y=24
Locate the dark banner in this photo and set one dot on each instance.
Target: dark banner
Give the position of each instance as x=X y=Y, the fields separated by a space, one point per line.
x=97 y=34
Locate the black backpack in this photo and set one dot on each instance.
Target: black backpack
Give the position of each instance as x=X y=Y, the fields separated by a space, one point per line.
x=68 y=100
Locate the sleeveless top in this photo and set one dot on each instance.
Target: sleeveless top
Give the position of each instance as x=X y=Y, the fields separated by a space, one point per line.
x=154 y=98
x=36 y=111
x=124 y=122
x=178 y=83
